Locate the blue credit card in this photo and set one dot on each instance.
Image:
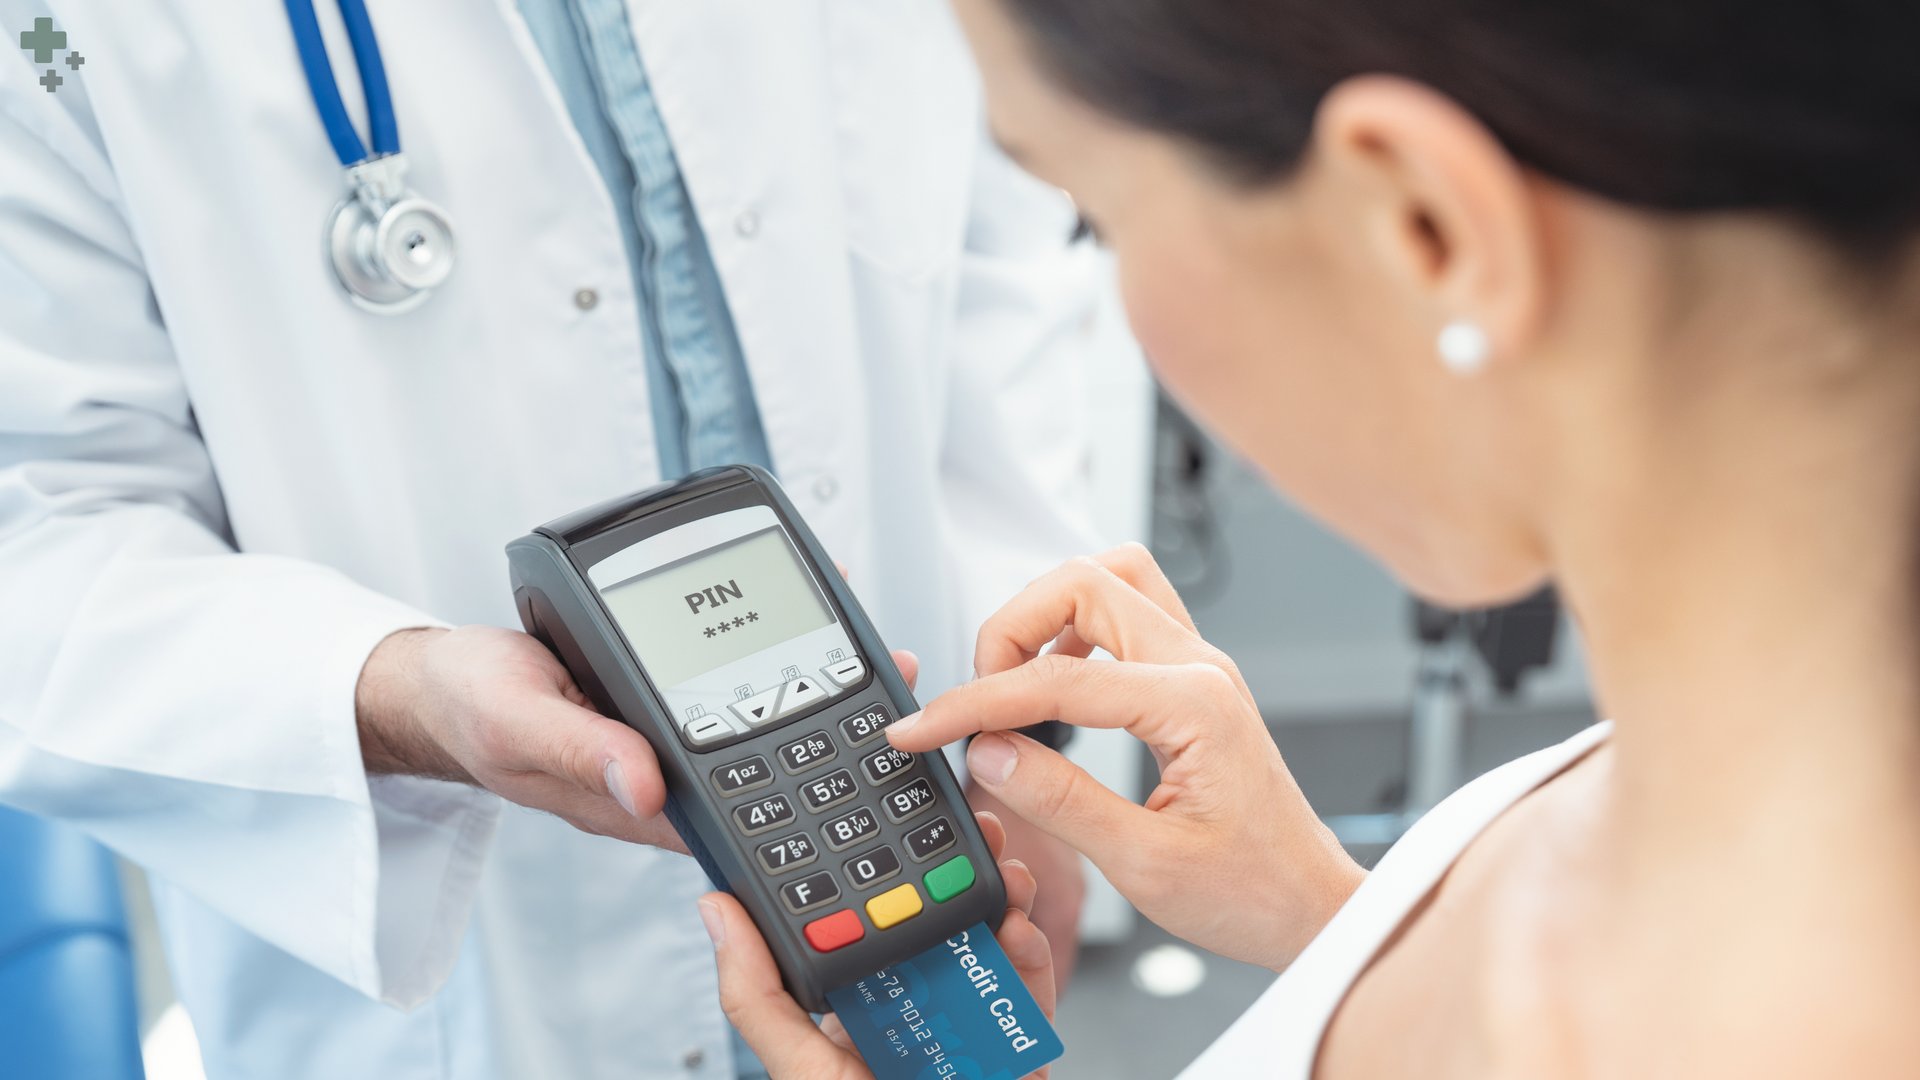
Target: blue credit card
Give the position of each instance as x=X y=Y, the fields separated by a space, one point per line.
x=956 y=1012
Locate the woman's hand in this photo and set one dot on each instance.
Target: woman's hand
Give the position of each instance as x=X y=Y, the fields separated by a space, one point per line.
x=1226 y=853
x=790 y=1045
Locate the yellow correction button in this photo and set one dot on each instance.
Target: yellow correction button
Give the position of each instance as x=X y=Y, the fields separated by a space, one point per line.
x=893 y=907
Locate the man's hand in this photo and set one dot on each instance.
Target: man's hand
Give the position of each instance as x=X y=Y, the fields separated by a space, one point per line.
x=494 y=707
x=1057 y=871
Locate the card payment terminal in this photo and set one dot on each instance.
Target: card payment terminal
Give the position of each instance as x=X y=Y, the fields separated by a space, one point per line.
x=706 y=616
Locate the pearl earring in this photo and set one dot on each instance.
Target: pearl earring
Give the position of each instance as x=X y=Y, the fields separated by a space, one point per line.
x=1464 y=347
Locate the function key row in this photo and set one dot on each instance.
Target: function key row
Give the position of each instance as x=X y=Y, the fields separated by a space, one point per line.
x=887 y=910
x=798 y=693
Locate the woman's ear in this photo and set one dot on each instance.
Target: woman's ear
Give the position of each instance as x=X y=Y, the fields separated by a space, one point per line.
x=1444 y=207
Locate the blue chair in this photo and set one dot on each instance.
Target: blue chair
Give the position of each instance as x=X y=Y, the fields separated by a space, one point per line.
x=67 y=1009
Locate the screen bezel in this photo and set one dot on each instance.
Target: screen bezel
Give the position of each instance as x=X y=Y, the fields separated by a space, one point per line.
x=590 y=551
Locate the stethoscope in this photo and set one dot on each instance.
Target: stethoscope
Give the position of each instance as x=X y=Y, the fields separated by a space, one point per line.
x=390 y=247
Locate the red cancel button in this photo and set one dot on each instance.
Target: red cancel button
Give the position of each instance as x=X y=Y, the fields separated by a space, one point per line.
x=836 y=931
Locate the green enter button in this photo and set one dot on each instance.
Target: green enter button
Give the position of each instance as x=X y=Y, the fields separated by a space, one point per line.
x=950 y=879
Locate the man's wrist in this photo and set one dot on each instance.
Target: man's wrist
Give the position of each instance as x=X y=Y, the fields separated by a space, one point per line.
x=386 y=700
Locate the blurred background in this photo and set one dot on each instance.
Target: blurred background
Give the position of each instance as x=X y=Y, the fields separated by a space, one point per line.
x=1380 y=707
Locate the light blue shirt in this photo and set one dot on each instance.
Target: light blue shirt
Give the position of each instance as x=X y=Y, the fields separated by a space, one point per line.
x=704 y=411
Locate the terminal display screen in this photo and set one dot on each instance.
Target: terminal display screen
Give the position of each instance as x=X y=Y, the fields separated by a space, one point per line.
x=709 y=609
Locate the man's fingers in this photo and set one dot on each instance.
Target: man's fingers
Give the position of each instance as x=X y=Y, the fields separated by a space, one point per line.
x=993 y=831
x=1160 y=704
x=836 y=1032
x=1026 y=947
x=909 y=666
x=1032 y=958
x=591 y=813
x=1022 y=888
x=598 y=755
x=775 y=1025
x=1103 y=610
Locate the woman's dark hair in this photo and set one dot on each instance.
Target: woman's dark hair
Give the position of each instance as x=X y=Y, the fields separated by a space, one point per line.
x=1806 y=107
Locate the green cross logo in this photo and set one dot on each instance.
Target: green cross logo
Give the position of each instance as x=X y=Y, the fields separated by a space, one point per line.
x=43 y=41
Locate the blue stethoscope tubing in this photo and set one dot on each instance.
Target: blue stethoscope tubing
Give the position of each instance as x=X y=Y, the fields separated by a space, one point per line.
x=326 y=89
x=390 y=248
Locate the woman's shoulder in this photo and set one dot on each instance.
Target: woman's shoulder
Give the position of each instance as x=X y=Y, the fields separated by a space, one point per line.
x=1281 y=1034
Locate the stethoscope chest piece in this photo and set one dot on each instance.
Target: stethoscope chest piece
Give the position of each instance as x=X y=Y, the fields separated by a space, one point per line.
x=389 y=248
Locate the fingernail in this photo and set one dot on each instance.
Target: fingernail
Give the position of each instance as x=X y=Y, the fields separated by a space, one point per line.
x=715 y=922
x=907 y=722
x=992 y=758
x=617 y=785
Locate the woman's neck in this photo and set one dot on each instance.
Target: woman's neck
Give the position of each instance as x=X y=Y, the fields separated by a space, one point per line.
x=1750 y=596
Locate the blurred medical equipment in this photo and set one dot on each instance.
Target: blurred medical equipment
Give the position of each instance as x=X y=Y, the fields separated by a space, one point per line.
x=1511 y=641
x=66 y=968
x=390 y=247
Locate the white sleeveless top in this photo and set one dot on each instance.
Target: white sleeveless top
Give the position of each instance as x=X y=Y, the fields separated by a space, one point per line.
x=1280 y=1035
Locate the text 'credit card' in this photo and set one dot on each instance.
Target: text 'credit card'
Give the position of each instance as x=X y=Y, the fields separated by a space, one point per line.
x=956 y=1012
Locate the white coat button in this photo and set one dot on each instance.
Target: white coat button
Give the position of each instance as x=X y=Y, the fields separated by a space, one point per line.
x=695 y=1058
x=747 y=224
x=826 y=488
x=586 y=299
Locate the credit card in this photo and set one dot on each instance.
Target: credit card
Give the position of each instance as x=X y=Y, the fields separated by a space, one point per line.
x=956 y=1012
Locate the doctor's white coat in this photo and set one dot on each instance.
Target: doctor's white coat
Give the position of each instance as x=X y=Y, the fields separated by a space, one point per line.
x=221 y=485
